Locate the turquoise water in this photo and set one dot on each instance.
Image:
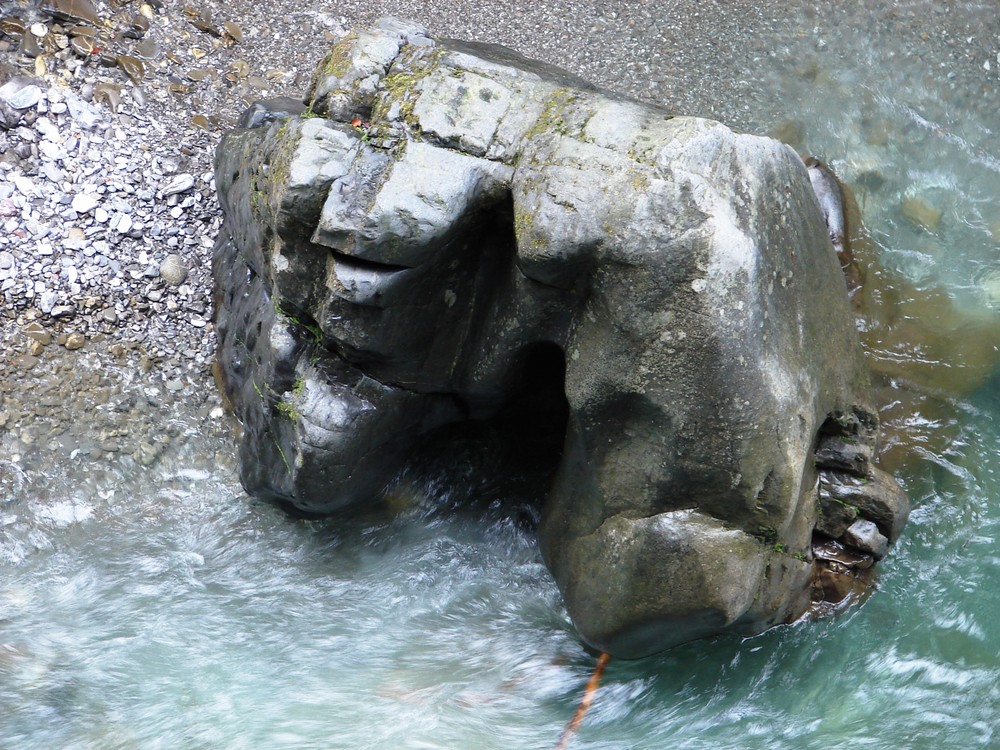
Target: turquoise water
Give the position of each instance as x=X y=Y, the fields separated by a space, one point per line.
x=161 y=608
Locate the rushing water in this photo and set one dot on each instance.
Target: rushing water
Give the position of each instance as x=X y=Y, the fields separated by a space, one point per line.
x=161 y=608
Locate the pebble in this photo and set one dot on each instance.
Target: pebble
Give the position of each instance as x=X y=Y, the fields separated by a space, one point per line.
x=84 y=202
x=47 y=128
x=47 y=301
x=7 y=267
x=84 y=114
x=25 y=186
x=124 y=224
x=75 y=341
x=179 y=184
x=173 y=270
x=25 y=361
x=36 y=332
x=80 y=10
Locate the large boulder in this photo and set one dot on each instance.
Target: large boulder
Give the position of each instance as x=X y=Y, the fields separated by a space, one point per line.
x=440 y=226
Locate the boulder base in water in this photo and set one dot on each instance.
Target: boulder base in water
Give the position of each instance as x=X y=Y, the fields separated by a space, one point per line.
x=448 y=225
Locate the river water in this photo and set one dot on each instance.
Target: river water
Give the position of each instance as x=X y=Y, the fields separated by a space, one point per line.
x=159 y=607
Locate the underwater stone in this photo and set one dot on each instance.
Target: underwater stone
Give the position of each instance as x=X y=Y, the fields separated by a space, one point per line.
x=921 y=213
x=75 y=341
x=450 y=227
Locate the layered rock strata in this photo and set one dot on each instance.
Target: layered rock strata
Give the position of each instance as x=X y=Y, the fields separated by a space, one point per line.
x=442 y=227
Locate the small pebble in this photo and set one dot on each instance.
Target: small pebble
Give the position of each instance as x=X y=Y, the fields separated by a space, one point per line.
x=75 y=341
x=124 y=225
x=178 y=184
x=173 y=270
x=25 y=361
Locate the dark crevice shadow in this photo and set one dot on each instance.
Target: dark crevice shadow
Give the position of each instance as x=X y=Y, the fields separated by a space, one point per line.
x=501 y=466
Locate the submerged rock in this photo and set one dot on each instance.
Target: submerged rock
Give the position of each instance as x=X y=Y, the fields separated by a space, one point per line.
x=921 y=213
x=448 y=226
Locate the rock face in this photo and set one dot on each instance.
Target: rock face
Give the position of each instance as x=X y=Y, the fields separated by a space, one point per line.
x=447 y=225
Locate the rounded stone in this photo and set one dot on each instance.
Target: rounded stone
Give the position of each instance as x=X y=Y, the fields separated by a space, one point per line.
x=173 y=270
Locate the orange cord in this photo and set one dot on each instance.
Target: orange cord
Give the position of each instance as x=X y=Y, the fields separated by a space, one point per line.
x=588 y=698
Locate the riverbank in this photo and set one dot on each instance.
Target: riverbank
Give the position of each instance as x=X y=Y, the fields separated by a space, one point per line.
x=106 y=193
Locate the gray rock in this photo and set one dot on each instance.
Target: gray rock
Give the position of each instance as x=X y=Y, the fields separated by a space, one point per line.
x=84 y=114
x=269 y=110
x=845 y=453
x=834 y=516
x=178 y=184
x=47 y=129
x=25 y=186
x=9 y=117
x=20 y=92
x=877 y=497
x=8 y=268
x=648 y=303
x=124 y=224
x=866 y=537
x=52 y=173
x=47 y=300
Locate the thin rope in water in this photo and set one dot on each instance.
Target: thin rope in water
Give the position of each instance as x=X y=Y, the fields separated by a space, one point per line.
x=588 y=698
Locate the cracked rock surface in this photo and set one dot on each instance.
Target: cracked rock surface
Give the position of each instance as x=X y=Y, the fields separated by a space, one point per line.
x=445 y=231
